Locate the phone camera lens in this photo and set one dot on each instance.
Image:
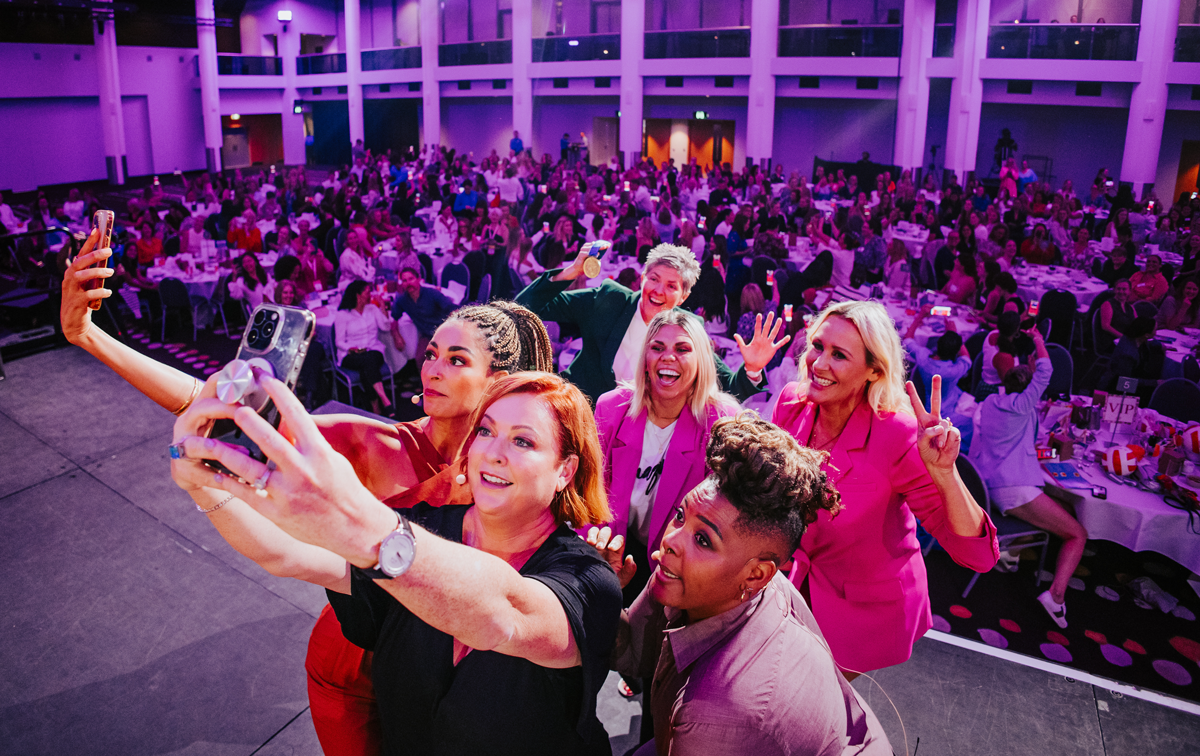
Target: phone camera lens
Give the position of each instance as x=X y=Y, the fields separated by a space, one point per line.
x=258 y=317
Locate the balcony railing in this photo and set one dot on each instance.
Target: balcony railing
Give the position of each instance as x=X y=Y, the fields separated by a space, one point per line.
x=837 y=41
x=589 y=47
x=391 y=58
x=943 y=41
x=249 y=65
x=321 y=64
x=475 y=53
x=1187 y=44
x=699 y=43
x=1064 y=41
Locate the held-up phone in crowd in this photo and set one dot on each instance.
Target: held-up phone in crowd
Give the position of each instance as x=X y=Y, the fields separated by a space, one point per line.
x=1099 y=492
x=545 y=227
x=543 y=188
x=1033 y=309
x=700 y=224
x=103 y=220
x=942 y=311
x=1108 y=183
x=594 y=250
x=275 y=342
x=627 y=188
x=787 y=313
x=770 y=278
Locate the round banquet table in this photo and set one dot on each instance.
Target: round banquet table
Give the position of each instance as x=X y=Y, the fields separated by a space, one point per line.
x=1135 y=518
x=1035 y=280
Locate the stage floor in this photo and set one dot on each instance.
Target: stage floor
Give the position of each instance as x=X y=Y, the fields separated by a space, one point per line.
x=132 y=628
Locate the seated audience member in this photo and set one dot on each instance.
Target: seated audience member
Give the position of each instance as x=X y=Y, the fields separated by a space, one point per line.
x=286 y=293
x=191 y=236
x=1149 y=285
x=1003 y=455
x=1181 y=309
x=542 y=634
x=951 y=361
x=871 y=258
x=754 y=306
x=1002 y=349
x=244 y=234
x=426 y=305
x=1116 y=314
x=960 y=287
x=1134 y=356
x=289 y=268
x=356 y=264
x=316 y=272
x=357 y=325
x=943 y=260
x=1120 y=264
x=896 y=276
x=149 y=245
x=738 y=661
x=1039 y=249
x=1004 y=287
x=605 y=311
x=1078 y=254
x=249 y=283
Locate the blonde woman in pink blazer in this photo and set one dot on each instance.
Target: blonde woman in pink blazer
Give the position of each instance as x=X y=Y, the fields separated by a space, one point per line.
x=893 y=464
x=653 y=434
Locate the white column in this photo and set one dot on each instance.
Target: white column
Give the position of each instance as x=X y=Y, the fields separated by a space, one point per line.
x=522 y=56
x=293 y=123
x=912 y=99
x=354 y=95
x=112 y=120
x=210 y=92
x=760 y=110
x=1148 y=105
x=966 y=93
x=431 y=94
x=633 y=46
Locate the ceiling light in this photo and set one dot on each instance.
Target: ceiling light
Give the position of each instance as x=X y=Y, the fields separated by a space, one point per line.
x=284 y=15
x=574 y=43
x=235 y=117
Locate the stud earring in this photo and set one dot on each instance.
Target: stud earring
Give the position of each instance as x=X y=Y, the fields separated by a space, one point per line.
x=460 y=479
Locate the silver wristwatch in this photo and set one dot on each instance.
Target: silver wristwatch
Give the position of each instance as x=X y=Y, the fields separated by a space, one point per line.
x=396 y=552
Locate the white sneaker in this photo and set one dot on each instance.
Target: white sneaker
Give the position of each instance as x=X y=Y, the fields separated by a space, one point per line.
x=1057 y=611
x=1008 y=562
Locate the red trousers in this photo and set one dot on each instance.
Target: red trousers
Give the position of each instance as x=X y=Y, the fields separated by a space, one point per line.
x=341 y=695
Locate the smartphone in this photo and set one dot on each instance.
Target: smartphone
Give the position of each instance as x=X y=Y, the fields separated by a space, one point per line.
x=1108 y=183
x=276 y=340
x=1033 y=309
x=943 y=311
x=770 y=278
x=787 y=313
x=543 y=188
x=1099 y=492
x=627 y=188
x=545 y=227
x=460 y=190
x=700 y=224
x=103 y=220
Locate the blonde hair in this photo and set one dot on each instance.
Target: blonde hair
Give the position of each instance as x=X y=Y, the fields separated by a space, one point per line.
x=706 y=391
x=680 y=259
x=883 y=352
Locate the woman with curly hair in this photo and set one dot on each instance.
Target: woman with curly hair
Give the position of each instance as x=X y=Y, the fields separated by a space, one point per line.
x=739 y=663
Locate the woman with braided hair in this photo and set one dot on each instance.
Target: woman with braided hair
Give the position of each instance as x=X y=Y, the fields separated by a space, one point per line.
x=399 y=463
x=738 y=661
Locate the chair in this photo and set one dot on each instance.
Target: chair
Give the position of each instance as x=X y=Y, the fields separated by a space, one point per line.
x=1191 y=369
x=174 y=296
x=458 y=273
x=976 y=372
x=974 y=342
x=1061 y=307
x=1064 y=371
x=426 y=266
x=1177 y=398
x=1044 y=326
x=1008 y=529
x=218 y=300
x=485 y=288
x=351 y=378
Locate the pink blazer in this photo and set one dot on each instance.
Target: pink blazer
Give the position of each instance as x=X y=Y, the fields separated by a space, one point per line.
x=866 y=578
x=621 y=439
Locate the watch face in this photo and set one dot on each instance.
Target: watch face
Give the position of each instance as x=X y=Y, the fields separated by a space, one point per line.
x=396 y=553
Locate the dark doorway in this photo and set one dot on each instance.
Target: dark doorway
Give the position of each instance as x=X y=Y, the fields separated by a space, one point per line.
x=391 y=124
x=331 y=132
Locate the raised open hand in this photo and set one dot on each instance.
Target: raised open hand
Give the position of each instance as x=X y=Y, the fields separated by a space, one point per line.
x=938 y=440
x=612 y=548
x=762 y=346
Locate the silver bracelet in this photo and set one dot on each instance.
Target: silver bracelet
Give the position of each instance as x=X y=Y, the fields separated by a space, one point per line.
x=224 y=501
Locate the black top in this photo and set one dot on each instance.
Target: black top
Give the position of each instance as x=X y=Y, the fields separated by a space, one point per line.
x=490 y=703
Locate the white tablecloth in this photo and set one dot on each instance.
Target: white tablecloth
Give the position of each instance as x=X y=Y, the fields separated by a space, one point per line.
x=1035 y=280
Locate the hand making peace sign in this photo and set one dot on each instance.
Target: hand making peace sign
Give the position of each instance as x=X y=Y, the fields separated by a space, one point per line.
x=938 y=440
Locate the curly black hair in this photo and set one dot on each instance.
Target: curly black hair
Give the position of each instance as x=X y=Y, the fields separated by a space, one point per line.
x=777 y=486
x=516 y=338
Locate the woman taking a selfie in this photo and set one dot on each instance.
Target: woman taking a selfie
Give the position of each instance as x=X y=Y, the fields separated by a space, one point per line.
x=491 y=623
x=893 y=463
x=407 y=462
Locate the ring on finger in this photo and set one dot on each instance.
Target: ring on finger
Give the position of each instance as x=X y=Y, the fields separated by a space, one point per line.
x=260 y=483
x=177 y=451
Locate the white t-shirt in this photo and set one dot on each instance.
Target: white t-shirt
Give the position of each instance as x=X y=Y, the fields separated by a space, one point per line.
x=630 y=351
x=650 y=467
x=355 y=330
x=843 y=265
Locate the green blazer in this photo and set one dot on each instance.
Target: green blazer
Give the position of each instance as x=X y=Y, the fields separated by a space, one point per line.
x=603 y=315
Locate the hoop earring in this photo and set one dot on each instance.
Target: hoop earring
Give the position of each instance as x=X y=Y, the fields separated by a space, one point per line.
x=745 y=593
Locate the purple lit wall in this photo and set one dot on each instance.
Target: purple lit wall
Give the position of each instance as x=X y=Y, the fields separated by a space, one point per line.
x=832 y=129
